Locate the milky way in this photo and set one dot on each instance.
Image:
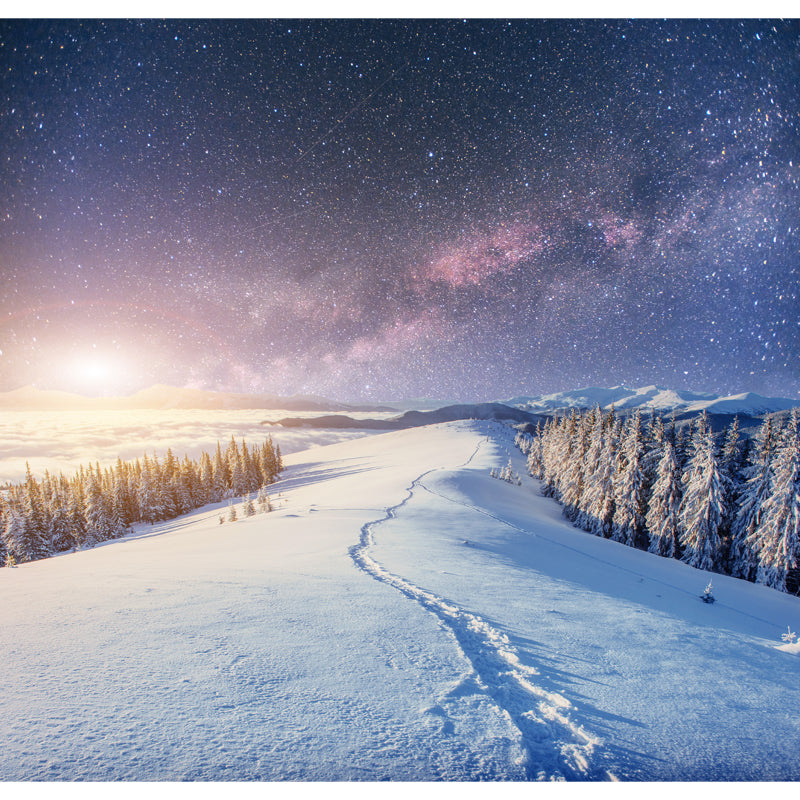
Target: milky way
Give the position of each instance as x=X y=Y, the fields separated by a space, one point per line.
x=368 y=210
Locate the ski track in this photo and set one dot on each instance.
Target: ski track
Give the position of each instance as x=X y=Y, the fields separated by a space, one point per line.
x=551 y=745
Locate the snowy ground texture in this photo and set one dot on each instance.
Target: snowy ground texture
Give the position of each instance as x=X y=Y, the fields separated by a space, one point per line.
x=401 y=615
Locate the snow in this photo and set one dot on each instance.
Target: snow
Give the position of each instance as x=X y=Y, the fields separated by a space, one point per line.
x=400 y=616
x=654 y=397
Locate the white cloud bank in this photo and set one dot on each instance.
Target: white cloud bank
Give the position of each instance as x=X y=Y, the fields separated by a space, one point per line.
x=60 y=441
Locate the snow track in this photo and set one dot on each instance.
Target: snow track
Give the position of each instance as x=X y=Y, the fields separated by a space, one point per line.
x=549 y=744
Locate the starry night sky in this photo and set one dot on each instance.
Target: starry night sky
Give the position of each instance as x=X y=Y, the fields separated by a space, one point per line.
x=382 y=209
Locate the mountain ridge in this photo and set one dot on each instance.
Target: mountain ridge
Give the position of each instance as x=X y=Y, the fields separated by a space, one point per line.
x=652 y=397
x=622 y=398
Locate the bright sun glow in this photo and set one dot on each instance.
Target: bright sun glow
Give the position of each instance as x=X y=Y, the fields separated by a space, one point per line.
x=94 y=374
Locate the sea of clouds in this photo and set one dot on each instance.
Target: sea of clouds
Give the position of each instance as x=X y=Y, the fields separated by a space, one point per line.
x=62 y=441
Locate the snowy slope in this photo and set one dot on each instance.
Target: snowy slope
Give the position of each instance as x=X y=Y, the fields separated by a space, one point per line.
x=401 y=616
x=654 y=397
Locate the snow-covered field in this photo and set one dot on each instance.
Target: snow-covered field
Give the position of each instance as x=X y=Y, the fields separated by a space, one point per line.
x=401 y=615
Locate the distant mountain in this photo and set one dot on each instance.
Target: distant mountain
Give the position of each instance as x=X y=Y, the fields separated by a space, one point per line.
x=416 y=419
x=161 y=397
x=415 y=404
x=654 y=397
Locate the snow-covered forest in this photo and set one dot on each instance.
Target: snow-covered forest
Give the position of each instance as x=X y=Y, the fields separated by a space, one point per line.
x=41 y=518
x=731 y=507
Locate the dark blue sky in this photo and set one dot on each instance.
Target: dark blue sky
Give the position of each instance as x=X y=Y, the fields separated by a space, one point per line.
x=368 y=210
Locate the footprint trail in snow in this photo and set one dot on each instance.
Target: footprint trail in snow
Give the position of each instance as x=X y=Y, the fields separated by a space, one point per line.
x=550 y=745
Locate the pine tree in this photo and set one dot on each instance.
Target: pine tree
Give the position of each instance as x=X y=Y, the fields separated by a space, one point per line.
x=599 y=504
x=61 y=535
x=15 y=537
x=222 y=476
x=99 y=522
x=205 y=493
x=731 y=456
x=575 y=467
x=703 y=506
x=37 y=543
x=662 y=518
x=263 y=501
x=252 y=474
x=147 y=494
x=268 y=462
x=248 y=509
x=629 y=499
x=234 y=459
x=591 y=465
x=76 y=502
x=653 y=446
x=3 y=518
x=779 y=530
x=535 y=464
x=752 y=495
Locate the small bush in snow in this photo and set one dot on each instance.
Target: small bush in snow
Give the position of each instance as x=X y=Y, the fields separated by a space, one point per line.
x=790 y=637
x=707 y=596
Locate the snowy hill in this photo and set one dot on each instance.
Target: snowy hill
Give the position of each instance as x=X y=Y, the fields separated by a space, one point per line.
x=401 y=615
x=654 y=397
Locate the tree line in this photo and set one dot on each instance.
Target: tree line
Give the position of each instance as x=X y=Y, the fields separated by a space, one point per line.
x=39 y=519
x=731 y=507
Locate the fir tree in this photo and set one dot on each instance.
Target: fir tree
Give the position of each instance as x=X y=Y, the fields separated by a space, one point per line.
x=731 y=456
x=222 y=476
x=591 y=465
x=99 y=523
x=662 y=518
x=61 y=535
x=248 y=509
x=629 y=499
x=574 y=469
x=15 y=540
x=535 y=464
x=599 y=502
x=37 y=543
x=703 y=505
x=263 y=501
x=779 y=530
x=750 y=499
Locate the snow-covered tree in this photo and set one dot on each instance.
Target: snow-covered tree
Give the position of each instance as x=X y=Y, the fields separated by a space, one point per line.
x=248 y=508
x=37 y=540
x=572 y=482
x=15 y=539
x=703 y=507
x=99 y=520
x=730 y=459
x=779 y=529
x=263 y=501
x=222 y=476
x=536 y=452
x=627 y=524
x=750 y=498
x=591 y=463
x=598 y=511
x=663 y=512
